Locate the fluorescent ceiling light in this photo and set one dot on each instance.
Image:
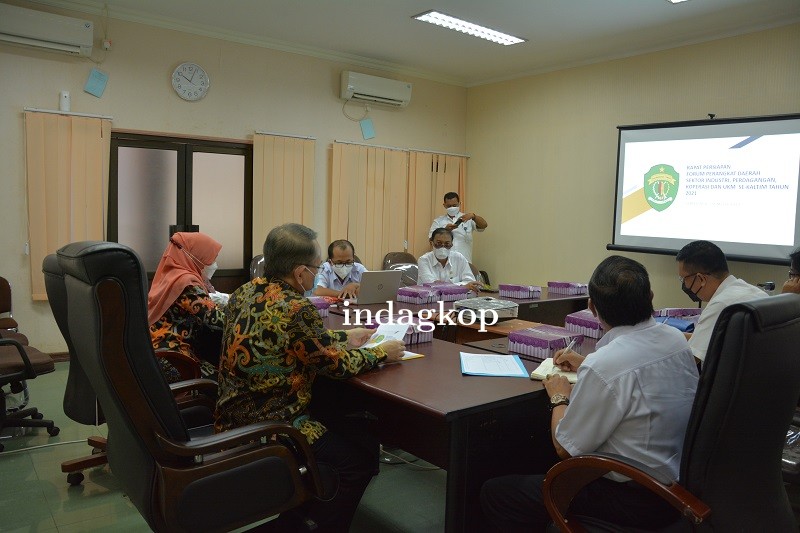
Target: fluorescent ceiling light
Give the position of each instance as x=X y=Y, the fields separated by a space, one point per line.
x=446 y=21
x=676 y=1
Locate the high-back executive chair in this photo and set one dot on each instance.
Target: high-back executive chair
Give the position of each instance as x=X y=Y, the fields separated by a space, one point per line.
x=80 y=401
x=177 y=482
x=730 y=475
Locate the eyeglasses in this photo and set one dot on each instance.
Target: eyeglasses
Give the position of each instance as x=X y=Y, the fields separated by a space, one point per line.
x=443 y=245
x=347 y=264
x=683 y=278
x=794 y=274
x=313 y=266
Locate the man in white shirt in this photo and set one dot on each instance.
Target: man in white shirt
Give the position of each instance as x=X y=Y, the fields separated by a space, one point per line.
x=703 y=271
x=463 y=230
x=633 y=397
x=340 y=275
x=444 y=264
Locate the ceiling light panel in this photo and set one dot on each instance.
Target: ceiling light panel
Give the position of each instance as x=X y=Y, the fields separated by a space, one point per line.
x=452 y=23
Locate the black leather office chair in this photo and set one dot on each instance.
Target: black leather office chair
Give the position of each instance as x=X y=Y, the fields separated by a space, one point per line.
x=410 y=273
x=730 y=476
x=6 y=317
x=178 y=482
x=257 y=266
x=393 y=258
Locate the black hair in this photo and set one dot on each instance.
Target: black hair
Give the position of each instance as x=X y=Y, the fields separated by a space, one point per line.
x=441 y=231
x=451 y=195
x=340 y=243
x=795 y=257
x=286 y=247
x=704 y=257
x=620 y=291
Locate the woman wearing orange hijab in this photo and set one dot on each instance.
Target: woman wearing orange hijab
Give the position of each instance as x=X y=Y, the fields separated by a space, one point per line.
x=180 y=311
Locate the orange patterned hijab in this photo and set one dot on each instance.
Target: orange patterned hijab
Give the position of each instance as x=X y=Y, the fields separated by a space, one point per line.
x=181 y=266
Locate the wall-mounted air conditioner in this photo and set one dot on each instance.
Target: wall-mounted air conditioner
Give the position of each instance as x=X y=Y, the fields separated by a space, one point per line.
x=45 y=30
x=375 y=90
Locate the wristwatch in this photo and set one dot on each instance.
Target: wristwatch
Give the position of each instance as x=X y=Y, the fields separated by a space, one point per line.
x=558 y=399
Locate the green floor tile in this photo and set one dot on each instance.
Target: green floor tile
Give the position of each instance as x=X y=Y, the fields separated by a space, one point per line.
x=27 y=510
x=87 y=501
x=128 y=523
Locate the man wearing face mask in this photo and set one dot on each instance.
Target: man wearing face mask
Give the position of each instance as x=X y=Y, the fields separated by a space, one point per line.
x=462 y=225
x=442 y=263
x=275 y=345
x=181 y=307
x=703 y=271
x=340 y=275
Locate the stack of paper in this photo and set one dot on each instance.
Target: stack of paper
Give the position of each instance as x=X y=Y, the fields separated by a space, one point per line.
x=541 y=342
x=547 y=368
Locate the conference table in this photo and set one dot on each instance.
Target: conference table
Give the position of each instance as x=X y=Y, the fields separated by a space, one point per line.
x=474 y=427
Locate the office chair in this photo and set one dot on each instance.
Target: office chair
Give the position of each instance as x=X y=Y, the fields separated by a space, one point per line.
x=177 y=481
x=397 y=257
x=80 y=402
x=19 y=363
x=410 y=273
x=6 y=318
x=257 y=266
x=730 y=475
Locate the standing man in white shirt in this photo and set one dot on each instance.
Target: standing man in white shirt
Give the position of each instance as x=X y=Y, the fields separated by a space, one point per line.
x=703 y=271
x=463 y=225
x=442 y=263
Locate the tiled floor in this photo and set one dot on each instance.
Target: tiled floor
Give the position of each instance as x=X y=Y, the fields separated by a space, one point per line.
x=35 y=496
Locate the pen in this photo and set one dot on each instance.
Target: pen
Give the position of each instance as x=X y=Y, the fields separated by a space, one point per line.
x=568 y=348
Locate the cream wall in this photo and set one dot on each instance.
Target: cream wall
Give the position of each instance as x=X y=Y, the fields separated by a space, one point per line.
x=543 y=150
x=252 y=88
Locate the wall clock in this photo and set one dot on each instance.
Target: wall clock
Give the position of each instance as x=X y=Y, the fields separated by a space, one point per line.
x=190 y=81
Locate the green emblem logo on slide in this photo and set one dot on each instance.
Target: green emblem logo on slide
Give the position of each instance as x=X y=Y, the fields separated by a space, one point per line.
x=660 y=186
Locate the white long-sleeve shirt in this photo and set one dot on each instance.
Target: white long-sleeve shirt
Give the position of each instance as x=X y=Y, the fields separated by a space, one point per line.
x=456 y=270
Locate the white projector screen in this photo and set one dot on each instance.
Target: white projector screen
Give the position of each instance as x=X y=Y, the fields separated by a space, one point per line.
x=733 y=182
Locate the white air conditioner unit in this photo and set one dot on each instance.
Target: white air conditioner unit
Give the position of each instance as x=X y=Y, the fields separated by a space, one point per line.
x=376 y=90
x=45 y=30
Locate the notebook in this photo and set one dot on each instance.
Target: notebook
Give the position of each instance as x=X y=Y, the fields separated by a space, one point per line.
x=546 y=367
x=378 y=286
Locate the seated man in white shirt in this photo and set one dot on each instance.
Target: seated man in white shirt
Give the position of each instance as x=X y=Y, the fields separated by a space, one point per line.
x=703 y=271
x=340 y=275
x=444 y=264
x=463 y=225
x=633 y=397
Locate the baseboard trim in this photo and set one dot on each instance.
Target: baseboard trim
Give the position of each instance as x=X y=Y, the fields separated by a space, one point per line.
x=59 y=357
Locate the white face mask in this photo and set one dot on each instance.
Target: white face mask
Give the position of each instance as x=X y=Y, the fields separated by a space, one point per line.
x=209 y=270
x=342 y=270
x=441 y=253
x=453 y=211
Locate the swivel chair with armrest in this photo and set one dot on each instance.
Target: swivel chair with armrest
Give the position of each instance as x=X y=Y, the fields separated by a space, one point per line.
x=177 y=481
x=393 y=258
x=80 y=401
x=19 y=363
x=730 y=475
x=6 y=317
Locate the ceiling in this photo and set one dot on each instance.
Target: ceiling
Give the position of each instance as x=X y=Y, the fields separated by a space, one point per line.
x=381 y=33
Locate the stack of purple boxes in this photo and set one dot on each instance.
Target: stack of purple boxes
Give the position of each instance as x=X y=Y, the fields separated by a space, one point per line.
x=321 y=304
x=567 y=287
x=585 y=323
x=417 y=294
x=541 y=342
x=520 y=291
x=449 y=292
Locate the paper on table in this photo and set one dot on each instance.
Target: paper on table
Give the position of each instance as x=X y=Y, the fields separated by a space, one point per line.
x=387 y=332
x=548 y=368
x=411 y=355
x=484 y=364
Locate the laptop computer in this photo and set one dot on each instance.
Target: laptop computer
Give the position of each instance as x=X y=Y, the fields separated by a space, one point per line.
x=378 y=286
